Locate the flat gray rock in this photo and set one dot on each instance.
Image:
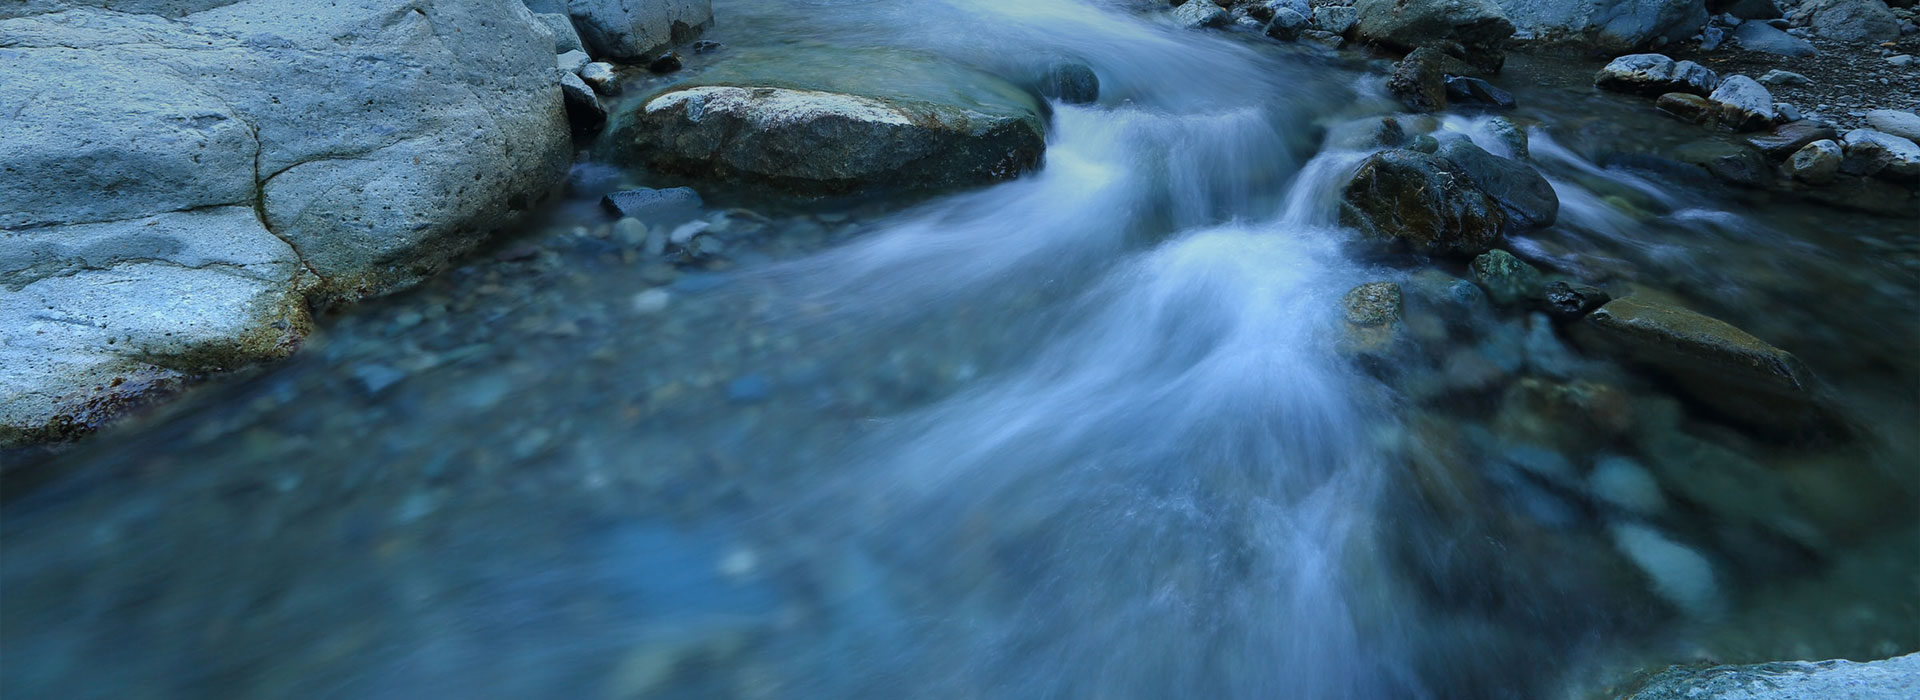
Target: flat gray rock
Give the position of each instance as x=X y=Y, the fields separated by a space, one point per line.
x=1905 y=125
x=248 y=157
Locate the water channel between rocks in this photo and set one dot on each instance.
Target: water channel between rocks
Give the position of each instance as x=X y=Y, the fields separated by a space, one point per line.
x=1098 y=431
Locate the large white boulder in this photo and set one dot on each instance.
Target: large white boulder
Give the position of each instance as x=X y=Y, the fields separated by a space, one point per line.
x=185 y=176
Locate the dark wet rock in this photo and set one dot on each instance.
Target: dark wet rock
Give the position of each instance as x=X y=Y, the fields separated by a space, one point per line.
x=1787 y=138
x=1746 y=9
x=583 y=106
x=1889 y=679
x=1506 y=279
x=664 y=63
x=1286 y=24
x=1652 y=74
x=1849 y=20
x=1759 y=36
x=1744 y=103
x=1195 y=14
x=1686 y=107
x=1527 y=197
x=1716 y=363
x=1072 y=82
x=706 y=46
x=1618 y=25
x=670 y=206
x=1474 y=91
x=1816 y=163
x=1574 y=300
x=630 y=30
x=1732 y=163
x=1420 y=79
x=814 y=142
x=1478 y=27
x=1420 y=201
x=1424 y=143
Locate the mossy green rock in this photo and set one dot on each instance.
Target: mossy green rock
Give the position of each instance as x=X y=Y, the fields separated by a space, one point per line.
x=1422 y=201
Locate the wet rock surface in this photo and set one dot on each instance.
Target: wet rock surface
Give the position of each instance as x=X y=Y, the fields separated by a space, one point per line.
x=1423 y=202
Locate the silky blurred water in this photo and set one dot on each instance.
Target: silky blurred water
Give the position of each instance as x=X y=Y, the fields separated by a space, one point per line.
x=1095 y=432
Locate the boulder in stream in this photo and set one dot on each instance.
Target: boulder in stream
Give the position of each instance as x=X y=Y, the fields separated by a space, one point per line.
x=1888 y=679
x=1523 y=192
x=1420 y=79
x=835 y=122
x=828 y=143
x=1423 y=202
x=1072 y=82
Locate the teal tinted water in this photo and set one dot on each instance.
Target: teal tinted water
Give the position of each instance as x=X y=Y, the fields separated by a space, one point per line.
x=1088 y=433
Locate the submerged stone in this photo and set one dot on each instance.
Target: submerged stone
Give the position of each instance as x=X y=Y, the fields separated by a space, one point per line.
x=1506 y=279
x=1713 y=361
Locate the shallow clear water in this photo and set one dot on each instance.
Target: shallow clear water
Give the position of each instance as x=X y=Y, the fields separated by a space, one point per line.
x=1097 y=431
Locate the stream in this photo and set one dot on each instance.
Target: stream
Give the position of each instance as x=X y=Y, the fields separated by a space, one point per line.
x=1098 y=431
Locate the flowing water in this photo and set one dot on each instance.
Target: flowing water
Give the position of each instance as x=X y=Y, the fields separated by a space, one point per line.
x=1099 y=431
